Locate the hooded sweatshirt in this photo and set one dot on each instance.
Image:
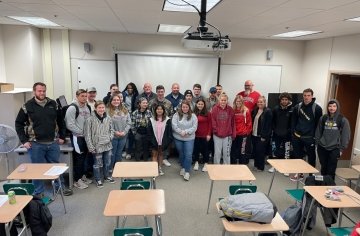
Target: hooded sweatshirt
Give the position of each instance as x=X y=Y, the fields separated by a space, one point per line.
x=223 y=121
x=328 y=135
x=282 y=120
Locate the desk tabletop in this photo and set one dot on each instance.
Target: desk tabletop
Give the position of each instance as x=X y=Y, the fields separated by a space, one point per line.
x=356 y=167
x=135 y=202
x=229 y=172
x=34 y=171
x=9 y=211
x=292 y=166
x=349 y=199
x=136 y=169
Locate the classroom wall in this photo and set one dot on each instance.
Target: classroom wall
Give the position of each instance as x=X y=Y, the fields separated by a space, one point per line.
x=2 y=58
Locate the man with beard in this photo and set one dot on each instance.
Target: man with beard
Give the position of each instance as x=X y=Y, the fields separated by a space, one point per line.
x=41 y=128
x=250 y=96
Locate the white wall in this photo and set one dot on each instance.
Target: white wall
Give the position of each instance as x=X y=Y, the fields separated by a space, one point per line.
x=22 y=55
x=2 y=58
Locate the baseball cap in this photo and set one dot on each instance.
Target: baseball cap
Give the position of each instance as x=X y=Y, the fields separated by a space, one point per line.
x=212 y=90
x=91 y=89
x=188 y=92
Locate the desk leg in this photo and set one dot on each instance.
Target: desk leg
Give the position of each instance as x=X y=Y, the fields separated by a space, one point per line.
x=297 y=182
x=153 y=183
x=71 y=171
x=307 y=216
x=158 y=225
x=7 y=228
x=22 y=216
x=61 y=193
x=340 y=213
x=357 y=183
x=271 y=183
x=117 y=221
x=211 y=188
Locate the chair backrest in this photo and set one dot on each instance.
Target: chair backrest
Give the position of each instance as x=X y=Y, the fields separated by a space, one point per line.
x=146 y=231
x=355 y=160
x=135 y=185
x=19 y=188
x=239 y=189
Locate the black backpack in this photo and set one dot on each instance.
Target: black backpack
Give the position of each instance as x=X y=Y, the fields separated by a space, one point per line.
x=38 y=216
x=64 y=109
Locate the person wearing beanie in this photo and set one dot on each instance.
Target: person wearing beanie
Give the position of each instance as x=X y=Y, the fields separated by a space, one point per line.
x=188 y=96
x=332 y=136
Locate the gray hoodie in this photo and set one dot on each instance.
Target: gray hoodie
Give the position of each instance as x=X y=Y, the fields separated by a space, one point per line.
x=328 y=135
x=76 y=125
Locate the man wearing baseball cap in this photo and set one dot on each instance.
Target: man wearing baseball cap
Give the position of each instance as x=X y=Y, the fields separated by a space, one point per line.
x=91 y=97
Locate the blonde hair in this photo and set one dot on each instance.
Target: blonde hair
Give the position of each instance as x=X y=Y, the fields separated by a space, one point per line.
x=242 y=107
x=112 y=108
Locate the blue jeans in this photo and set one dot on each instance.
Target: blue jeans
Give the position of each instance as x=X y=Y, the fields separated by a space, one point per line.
x=118 y=145
x=102 y=161
x=44 y=153
x=185 y=150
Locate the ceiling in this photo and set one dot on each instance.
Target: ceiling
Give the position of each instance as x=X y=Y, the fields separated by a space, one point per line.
x=237 y=18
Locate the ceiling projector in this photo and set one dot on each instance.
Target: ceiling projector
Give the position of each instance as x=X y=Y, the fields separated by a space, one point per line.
x=206 y=41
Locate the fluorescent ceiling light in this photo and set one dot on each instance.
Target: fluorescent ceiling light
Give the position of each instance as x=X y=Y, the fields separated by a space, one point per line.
x=178 y=5
x=354 y=19
x=163 y=28
x=296 y=33
x=37 y=21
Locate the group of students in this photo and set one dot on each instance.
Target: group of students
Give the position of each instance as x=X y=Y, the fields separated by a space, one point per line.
x=150 y=122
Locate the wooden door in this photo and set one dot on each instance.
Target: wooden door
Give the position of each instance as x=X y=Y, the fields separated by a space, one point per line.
x=348 y=95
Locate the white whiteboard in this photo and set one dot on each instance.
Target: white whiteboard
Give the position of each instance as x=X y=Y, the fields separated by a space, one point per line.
x=163 y=69
x=98 y=74
x=266 y=79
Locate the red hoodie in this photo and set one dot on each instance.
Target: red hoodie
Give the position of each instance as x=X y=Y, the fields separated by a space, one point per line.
x=223 y=123
x=243 y=122
x=204 y=126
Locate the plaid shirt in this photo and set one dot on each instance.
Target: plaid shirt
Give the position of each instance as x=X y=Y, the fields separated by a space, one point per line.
x=140 y=120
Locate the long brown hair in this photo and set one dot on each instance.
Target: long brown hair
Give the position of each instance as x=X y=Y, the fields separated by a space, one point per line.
x=181 y=114
x=112 y=108
x=204 y=111
x=243 y=107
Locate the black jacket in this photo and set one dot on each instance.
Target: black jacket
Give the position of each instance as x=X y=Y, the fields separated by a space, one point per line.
x=167 y=136
x=35 y=122
x=265 y=122
x=282 y=121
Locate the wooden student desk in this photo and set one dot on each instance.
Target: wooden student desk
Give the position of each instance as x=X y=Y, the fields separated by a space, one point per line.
x=357 y=168
x=136 y=203
x=37 y=171
x=66 y=157
x=227 y=173
x=349 y=199
x=136 y=170
x=291 y=166
x=9 y=212
x=276 y=225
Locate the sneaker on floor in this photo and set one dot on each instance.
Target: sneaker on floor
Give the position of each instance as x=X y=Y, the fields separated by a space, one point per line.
x=271 y=170
x=196 y=166
x=297 y=177
x=86 y=180
x=67 y=192
x=187 y=176
x=110 y=180
x=99 y=184
x=124 y=154
x=80 y=184
x=182 y=172
x=128 y=157
x=204 y=169
x=161 y=172
x=166 y=162
x=286 y=174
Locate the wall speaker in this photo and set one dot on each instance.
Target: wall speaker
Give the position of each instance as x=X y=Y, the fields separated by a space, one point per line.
x=87 y=47
x=269 y=54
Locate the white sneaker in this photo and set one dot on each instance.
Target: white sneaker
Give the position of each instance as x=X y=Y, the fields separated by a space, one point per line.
x=161 y=172
x=86 y=180
x=187 y=176
x=123 y=154
x=196 y=166
x=80 y=184
x=128 y=157
x=286 y=174
x=166 y=162
x=271 y=170
x=204 y=169
x=182 y=172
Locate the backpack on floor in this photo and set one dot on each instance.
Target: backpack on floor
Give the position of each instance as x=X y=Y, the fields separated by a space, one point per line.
x=252 y=207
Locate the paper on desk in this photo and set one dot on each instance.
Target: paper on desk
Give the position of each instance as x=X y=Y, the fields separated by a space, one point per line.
x=3 y=199
x=56 y=170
